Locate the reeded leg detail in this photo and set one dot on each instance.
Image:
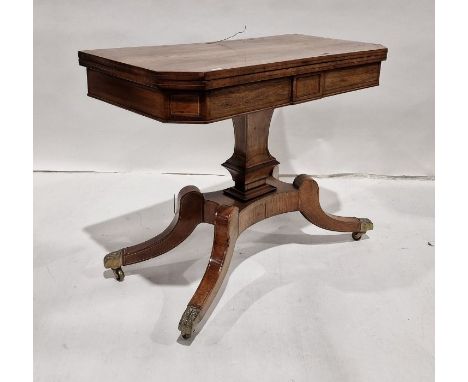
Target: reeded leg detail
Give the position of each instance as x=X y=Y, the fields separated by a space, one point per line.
x=190 y=203
x=226 y=230
x=309 y=206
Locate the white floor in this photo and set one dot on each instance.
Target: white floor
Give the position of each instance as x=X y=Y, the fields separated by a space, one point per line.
x=300 y=304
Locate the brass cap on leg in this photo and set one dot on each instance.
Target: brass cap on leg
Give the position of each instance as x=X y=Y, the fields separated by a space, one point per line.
x=366 y=225
x=113 y=260
x=187 y=322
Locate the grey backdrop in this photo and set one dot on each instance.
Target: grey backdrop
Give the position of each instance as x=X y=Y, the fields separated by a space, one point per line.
x=384 y=130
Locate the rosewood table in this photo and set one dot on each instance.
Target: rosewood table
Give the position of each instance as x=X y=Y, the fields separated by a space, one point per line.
x=244 y=80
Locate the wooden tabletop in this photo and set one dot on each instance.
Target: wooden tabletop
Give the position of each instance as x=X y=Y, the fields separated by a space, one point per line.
x=204 y=82
x=233 y=57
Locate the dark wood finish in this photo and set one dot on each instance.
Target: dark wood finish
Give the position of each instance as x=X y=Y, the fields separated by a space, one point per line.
x=245 y=80
x=251 y=163
x=309 y=206
x=189 y=214
x=307 y=87
x=234 y=100
x=344 y=80
x=230 y=218
x=151 y=65
x=302 y=195
x=226 y=230
x=202 y=83
x=137 y=98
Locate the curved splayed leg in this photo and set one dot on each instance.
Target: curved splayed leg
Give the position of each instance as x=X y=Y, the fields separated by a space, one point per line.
x=226 y=230
x=309 y=206
x=189 y=214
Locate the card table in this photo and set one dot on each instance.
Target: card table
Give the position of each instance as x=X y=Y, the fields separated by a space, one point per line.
x=245 y=80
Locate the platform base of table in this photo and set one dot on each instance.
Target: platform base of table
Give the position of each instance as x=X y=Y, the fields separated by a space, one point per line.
x=250 y=194
x=230 y=217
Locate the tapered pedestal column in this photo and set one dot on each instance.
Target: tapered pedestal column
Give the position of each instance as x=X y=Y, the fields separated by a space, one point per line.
x=251 y=163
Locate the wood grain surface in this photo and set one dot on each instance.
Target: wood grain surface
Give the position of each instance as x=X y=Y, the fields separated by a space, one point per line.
x=203 y=83
x=243 y=80
x=232 y=57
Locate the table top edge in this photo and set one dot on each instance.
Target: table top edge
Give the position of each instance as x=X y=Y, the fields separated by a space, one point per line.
x=88 y=59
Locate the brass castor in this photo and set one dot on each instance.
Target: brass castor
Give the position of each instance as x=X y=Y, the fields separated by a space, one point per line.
x=119 y=274
x=357 y=235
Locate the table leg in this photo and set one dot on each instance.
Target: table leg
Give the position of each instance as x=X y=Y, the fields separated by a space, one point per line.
x=309 y=206
x=226 y=230
x=189 y=214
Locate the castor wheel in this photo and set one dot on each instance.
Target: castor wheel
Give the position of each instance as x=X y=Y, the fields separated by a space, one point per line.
x=186 y=336
x=357 y=235
x=119 y=274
